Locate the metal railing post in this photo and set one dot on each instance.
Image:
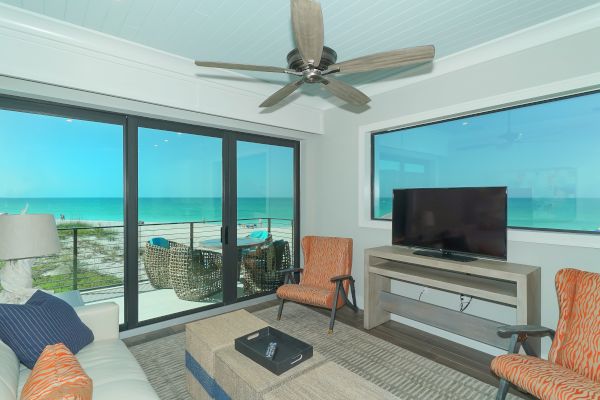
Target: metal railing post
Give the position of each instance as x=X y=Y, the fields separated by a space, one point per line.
x=192 y=235
x=269 y=224
x=74 y=258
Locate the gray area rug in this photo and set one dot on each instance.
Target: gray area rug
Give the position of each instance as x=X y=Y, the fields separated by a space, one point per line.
x=405 y=374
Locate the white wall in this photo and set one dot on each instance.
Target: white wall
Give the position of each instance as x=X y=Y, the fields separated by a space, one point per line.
x=476 y=79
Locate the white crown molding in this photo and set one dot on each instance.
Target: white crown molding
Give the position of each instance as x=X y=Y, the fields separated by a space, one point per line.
x=43 y=49
x=549 y=31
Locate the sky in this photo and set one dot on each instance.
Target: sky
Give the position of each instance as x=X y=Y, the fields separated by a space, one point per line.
x=49 y=156
x=541 y=151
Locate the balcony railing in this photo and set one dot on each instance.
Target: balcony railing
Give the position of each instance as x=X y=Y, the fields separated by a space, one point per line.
x=92 y=257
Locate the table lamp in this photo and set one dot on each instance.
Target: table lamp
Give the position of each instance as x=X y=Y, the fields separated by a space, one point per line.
x=22 y=238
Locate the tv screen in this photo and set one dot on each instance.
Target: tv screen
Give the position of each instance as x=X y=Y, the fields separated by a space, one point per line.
x=452 y=220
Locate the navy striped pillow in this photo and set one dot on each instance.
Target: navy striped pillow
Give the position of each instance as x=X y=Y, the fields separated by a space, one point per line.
x=44 y=320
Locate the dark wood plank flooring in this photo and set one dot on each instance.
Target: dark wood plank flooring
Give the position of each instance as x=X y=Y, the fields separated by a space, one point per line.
x=461 y=358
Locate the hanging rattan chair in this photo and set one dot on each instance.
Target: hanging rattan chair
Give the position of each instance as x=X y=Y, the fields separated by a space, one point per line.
x=195 y=274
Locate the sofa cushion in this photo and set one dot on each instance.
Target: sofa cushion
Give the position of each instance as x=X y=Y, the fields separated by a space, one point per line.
x=57 y=375
x=113 y=369
x=44 y=320
x=9 y=373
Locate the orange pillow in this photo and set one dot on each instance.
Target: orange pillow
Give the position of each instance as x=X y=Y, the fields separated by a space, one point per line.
x=57 y=375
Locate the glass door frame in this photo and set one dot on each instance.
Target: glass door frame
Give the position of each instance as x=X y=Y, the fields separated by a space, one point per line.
x=229 y=210
x=232 y=248
x=132 y=212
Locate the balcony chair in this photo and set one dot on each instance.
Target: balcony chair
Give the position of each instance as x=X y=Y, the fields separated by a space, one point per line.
x=156 y=262
x=325 y=278
x=572 y=370
x=262 y=267
x=195 y=274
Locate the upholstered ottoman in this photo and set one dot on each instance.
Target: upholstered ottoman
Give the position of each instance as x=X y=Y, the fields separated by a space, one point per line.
x=203 y=339
x=329 y=381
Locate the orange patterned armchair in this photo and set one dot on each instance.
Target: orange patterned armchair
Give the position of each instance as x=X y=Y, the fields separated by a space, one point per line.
x=325 y=278
x=572 y=370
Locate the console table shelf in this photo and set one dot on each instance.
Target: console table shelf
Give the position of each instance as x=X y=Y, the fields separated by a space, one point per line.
x=470 y=285
x=511 y=284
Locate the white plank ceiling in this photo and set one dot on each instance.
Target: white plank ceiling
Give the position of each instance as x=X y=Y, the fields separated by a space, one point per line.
x=259 y=31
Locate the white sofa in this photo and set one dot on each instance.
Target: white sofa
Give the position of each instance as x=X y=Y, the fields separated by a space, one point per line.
x=113 y=369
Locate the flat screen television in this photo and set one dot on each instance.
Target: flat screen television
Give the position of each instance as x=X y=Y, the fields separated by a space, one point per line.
x=451 y=222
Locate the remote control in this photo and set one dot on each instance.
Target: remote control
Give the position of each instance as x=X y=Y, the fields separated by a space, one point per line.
x=271 y=349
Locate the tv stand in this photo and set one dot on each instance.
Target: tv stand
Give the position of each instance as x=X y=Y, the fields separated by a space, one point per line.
x=515 y=285
x=444 y=255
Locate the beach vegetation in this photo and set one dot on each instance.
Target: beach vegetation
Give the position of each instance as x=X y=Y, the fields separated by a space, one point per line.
x=86 y=279
x=65 y=230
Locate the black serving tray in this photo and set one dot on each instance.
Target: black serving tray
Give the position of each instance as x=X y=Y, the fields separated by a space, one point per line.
x=290 y=351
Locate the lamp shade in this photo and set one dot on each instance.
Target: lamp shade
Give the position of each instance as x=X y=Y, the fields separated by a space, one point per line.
x=28 y=236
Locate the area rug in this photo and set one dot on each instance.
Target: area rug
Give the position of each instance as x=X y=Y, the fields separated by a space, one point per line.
x=405 y=374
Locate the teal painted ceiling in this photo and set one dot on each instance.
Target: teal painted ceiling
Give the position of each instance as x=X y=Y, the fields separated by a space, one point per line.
x=259 y=31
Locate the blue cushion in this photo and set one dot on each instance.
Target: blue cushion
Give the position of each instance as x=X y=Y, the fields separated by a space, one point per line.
x=44 y=320
x=159 y=241
x=262 y=235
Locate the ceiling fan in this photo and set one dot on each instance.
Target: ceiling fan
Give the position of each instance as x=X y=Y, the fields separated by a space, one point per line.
x=313 y=62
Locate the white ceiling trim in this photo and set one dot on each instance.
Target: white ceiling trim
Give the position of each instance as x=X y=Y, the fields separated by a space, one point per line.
x=119 y=50
x=567 y=25
x=49 y=51
x=96 y=44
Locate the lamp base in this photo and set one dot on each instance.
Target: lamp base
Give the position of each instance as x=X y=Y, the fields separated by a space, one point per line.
x=16 y=281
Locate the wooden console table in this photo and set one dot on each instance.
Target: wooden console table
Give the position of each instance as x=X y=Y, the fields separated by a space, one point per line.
x=511 y=284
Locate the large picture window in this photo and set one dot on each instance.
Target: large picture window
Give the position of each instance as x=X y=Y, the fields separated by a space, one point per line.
x=545 y=153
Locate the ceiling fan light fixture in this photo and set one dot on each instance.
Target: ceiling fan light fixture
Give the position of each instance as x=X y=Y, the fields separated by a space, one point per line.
x=312 y=60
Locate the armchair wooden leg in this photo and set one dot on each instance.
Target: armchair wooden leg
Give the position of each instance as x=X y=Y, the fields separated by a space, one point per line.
x=334 y=308
x=280 y=309
x=528 y=349
x=353 y=292
x=502 y=389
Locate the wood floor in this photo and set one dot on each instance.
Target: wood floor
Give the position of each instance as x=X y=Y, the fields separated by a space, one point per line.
x=464 y=359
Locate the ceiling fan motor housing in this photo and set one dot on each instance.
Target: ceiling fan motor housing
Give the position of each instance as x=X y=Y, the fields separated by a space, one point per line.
x=328 y=58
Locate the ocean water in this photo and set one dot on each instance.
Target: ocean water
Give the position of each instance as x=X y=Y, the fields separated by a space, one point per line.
x=574 y=214
x=150 y=209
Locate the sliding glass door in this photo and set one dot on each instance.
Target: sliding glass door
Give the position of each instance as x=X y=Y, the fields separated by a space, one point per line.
x=265 y=209
x=180 y=197
x=163 y=218
x=68 y=163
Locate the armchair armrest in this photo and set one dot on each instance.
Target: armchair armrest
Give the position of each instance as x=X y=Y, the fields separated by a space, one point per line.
x=341 y=278
x=518 y=336
x=289 y=274
x=290 y=270
x=525 y=330
x=102 y=319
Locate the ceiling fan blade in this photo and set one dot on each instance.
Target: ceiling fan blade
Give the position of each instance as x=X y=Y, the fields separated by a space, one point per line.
x=307 y=21
x=282 y=93
x=387 y=59
x=345 y=91
x=246 y=67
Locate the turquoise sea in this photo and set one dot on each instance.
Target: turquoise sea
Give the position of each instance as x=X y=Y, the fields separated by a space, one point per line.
x=150 y=209
x=574 y=214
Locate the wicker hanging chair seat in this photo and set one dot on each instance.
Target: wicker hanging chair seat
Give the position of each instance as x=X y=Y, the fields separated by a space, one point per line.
x=195 y=274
